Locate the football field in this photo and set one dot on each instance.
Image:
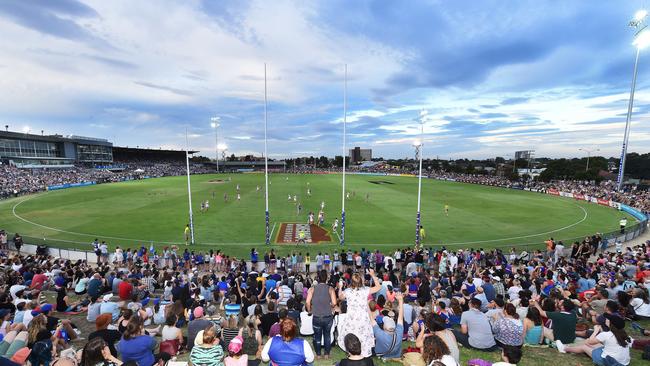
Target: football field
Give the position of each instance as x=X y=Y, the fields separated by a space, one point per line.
x=380 y=213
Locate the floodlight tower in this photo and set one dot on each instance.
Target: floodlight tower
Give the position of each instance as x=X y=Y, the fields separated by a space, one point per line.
x=418 y=146
x=641 y=41
x=588 y=156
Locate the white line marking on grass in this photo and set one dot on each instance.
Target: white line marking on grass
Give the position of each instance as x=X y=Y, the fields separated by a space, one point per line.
x=337 y=234
x=272 y=229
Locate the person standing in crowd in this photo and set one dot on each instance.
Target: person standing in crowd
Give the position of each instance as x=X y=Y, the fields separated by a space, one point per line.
x=357 y=321
x=321 y=300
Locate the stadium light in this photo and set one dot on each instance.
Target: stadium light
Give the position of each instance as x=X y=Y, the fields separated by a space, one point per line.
x=641 y=40
x=588 y=156
x=215 y=124
x=423 y=114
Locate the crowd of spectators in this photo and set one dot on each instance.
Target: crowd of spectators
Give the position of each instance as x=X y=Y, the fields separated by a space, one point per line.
x=16 y=182
x=417 y=306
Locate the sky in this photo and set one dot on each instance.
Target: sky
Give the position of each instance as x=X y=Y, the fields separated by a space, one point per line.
x=493 y=76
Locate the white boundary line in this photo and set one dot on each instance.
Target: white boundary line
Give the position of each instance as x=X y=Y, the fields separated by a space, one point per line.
x=271 y=233
x=235 y=244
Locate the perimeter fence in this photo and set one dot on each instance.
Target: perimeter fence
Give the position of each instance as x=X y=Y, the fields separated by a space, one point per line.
x=55 y=247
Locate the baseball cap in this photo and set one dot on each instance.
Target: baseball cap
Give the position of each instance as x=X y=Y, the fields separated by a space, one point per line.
x=198 y=312
x=145 y=301
x=59 y=281
x=389 y=324
x=4 y=312
x=236 y=344
x=46 y=308
x=156 y=301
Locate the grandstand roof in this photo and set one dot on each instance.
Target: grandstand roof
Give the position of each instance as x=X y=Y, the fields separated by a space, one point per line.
x=127 y=149
x=55 y=138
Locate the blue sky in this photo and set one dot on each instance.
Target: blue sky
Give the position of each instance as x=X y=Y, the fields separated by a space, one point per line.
x=494 y=76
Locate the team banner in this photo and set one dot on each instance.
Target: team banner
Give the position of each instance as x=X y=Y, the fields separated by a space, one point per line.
x=553 y=192
x=69 y=185
x=602 y=202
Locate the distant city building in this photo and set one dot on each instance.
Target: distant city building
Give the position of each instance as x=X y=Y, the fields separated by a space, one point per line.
x=358 y=155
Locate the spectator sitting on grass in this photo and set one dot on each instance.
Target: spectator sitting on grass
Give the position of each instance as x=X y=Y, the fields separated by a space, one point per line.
x=475 y=331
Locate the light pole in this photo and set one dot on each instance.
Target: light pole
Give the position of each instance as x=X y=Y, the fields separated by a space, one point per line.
x=641 y=41
x=418 y=146
x=215 y=125
x=588 y=156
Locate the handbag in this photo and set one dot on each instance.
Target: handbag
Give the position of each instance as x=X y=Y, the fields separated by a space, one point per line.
x=170 y=347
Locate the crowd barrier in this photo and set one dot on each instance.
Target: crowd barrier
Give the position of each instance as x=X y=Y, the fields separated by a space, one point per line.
x=70 y=185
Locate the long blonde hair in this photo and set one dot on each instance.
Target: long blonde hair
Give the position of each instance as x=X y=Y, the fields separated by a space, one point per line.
x=233 y=322
x=251 y=325
x=356 y=281
x=37 y=324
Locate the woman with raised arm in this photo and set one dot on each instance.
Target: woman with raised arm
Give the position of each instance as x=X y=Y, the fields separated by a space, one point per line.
x=357 y=320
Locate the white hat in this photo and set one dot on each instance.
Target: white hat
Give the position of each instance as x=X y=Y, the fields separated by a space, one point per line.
x=389 y=324
x=107 y=297
x=496 y=278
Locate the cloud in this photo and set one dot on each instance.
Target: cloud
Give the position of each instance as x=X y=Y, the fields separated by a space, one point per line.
x=165 y=88
x=492 y=77
x=515 y=100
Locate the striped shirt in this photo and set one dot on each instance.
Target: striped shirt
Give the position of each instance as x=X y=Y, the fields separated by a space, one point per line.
x=208 y=356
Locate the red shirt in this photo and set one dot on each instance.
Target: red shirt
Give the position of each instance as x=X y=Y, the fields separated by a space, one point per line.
x=124 y=290
x=38 y=280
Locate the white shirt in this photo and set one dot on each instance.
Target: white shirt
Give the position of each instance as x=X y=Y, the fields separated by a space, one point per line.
x=27 y=317
x=306 y=327
x=16 y=288
x=640 y=308
x=447 y=360
x=613 y=349
x=513 y=292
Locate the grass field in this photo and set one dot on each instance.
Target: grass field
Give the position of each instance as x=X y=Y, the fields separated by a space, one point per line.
x=156 y=210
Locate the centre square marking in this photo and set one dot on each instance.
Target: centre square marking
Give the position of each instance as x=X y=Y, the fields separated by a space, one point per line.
x=289 y=233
